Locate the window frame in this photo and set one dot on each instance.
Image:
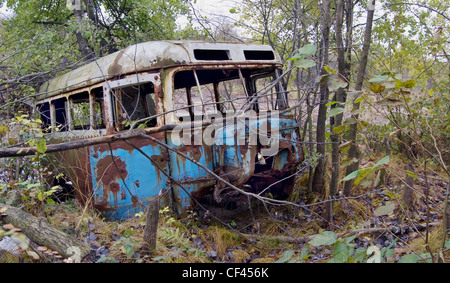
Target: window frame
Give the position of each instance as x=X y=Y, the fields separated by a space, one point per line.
x=133 y=80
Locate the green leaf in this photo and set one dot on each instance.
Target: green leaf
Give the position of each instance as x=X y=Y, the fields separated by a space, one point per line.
x=411 y=174
x=41 y=146
x=338 y=129
x=359 y=255
x=307 y=50
x=341 y=252
x=335 y=111
x=322 y=78
x=359 y=99
x=40 y=195
x=325 y=238
x=382 y=161
x=350 y=238
x=304 y=254
x=335 y=82
x=363 y=174
x=329 y=69
x=386 y=209
x=379 y=79
x=305 y=63
x=409 y=84
x=352 y=175
x=409 y=258
x=331 y=103
x=350 y=121
x=287 y=255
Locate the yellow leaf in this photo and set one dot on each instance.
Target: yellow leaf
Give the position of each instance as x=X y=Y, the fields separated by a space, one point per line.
x=40 y=196
x=3 y=130
x=377 y=88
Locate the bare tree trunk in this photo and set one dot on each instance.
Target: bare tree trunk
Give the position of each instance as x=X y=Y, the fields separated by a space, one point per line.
x=83 y=45
x=408 y=196
x=353 y=151
x=151 y=225
x=446 y=216
x=318 y=181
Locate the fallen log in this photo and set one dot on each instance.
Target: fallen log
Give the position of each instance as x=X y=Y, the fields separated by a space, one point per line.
x=39 y=231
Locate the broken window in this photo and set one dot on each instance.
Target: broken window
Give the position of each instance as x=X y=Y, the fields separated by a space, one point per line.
x=61 y=121
x=205 y=92
x=269 y=91
x=80 y=110
x=43 y=110
x=86 y=110
x=134 y=104
x=98 y=110
x=232 y=96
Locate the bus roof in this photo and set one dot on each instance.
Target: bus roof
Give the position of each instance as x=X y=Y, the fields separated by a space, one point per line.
x=155 y=55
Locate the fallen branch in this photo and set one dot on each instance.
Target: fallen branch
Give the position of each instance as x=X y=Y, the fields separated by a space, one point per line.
x=24 y=151
x=39 y=231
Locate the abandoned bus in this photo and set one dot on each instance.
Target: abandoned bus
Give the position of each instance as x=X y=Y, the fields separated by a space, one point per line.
x=203 y=107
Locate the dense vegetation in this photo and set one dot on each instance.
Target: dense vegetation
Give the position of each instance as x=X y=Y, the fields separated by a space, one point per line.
x=372 y=82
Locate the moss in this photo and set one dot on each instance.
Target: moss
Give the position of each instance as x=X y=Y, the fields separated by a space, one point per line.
x=222 y=239
x=263 y=260
x=240 y=256
x=7 y=257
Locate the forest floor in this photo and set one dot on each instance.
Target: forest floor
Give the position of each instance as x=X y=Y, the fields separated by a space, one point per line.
x=373 y=220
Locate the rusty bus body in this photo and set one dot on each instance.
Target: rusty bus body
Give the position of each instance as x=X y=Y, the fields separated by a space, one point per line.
x=165 y=85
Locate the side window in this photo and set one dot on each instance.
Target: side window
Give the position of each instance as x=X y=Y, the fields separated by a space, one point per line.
x=195 y=96
x=80 y=110
x=134 y=103
x=87 y=110
x=61 y=121
x=43 y=110
x=98 y=110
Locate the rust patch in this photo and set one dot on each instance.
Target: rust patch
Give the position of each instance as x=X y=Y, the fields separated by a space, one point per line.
x=135 y=201
x=108 y=173
x=192 y=151
x=158 y=161
x=115 y=68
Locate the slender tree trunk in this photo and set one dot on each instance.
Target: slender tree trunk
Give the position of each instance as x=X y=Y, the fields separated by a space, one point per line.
x=318 y=181
x=353 y=151
x=337 y=120
x=83 y=45
x=408 y=196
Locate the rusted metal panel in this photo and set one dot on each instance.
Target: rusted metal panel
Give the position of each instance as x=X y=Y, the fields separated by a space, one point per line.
x=193 y=178
x=123 y=179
